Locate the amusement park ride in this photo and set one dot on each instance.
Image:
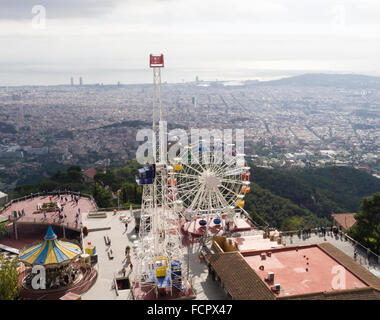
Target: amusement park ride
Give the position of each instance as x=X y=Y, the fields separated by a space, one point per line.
x=187 y=190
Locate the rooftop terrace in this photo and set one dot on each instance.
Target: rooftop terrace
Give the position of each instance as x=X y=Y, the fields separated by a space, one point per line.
x=303 y=270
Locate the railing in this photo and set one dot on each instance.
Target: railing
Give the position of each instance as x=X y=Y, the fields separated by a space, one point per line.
x=134 y=207
x=258 y=226
x=54 y=193
x=53 y=221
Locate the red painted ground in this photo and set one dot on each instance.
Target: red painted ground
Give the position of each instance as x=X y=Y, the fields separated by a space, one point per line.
x=70 y=209
x=21 y=243
x=289 y=267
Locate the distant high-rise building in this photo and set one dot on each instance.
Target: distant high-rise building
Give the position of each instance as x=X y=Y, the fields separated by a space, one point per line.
x=194 y=102
x=71 y=81
x=196 y=79
x=80 y=81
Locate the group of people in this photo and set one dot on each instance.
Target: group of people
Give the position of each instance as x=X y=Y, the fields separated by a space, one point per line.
x=305 y=232
x=58 y=277
x=63 y=199
x=61 y=277
x=20 y=213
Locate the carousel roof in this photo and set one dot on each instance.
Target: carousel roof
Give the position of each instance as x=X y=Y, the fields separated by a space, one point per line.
x=50 y=251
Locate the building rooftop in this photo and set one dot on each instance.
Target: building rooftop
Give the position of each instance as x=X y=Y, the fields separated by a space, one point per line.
x=303 y=270
x=255 y=242
x=331 y=274
x=346 y=220
x=238 y=278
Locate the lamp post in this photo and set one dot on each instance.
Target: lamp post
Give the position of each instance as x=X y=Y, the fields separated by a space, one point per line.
x=118 y=199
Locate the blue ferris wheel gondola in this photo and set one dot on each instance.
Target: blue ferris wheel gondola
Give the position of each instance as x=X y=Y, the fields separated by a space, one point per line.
x=146 y=175
x=202 y=222
x=217 y=221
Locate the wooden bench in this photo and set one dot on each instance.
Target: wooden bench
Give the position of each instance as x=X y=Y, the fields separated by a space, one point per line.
x=110 y=254
x=107 y=240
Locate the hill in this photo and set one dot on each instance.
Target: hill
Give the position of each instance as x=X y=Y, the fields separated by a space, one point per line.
x=283 y=198
x=352 y=81
x=313 y=190
x=268 y=208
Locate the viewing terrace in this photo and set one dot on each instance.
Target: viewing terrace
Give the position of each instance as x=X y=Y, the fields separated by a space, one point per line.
x=29 y=216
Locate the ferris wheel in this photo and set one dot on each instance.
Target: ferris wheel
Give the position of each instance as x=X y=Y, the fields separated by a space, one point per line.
x=207 y=184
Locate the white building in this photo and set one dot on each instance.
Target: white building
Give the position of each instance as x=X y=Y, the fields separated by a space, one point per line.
x=3 y=198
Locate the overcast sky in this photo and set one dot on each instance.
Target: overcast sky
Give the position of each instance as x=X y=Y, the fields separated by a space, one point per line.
x=110 y=40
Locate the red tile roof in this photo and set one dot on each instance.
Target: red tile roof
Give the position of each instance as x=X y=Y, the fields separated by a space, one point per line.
x=346 y=220
x=353 y=294
x=90 y=173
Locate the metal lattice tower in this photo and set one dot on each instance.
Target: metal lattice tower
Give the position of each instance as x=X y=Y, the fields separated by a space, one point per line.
x=159 y=222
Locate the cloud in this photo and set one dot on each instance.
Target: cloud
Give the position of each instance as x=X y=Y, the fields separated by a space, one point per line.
x=22 y=9
x=108 y=35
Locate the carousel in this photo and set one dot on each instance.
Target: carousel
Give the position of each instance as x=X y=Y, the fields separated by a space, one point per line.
x=59 y=259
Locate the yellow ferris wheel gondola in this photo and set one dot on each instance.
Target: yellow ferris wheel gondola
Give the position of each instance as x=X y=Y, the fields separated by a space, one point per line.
x=177 y=165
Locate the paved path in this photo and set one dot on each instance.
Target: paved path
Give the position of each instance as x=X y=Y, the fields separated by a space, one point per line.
x=107 y=268
x=204 y=286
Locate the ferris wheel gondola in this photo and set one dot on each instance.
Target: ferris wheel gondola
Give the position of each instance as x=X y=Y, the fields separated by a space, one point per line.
x=208 y=184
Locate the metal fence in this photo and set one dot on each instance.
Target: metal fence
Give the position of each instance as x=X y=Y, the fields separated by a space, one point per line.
x=48 y=221
x=39 y=194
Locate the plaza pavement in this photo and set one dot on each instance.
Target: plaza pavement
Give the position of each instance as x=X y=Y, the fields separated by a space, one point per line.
x=204 y=286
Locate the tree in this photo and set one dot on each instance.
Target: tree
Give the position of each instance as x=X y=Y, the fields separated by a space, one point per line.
x=107 y=179
x=367 y=227
x=292 y=224
x=102 y=196
x=47 y=185
x=9 y=287
x=3 y=230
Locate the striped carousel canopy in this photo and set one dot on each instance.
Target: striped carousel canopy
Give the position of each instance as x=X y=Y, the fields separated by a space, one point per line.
x=50 y=251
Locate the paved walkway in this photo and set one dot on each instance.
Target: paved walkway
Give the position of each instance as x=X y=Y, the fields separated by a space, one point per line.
x=204 y=286
x=107 y=268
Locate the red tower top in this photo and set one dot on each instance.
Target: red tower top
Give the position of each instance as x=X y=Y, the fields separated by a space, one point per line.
x=156 y=61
